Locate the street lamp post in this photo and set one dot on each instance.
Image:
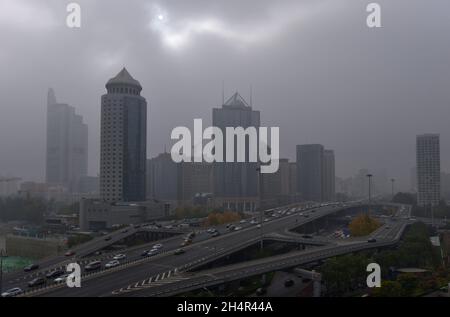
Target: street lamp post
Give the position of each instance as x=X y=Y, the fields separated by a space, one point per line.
x=369 y=176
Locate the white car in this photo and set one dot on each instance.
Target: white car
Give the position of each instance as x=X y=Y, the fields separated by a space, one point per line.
x=253 y=222
x=157 y=246
x=60 y=279
x=112 y=264
x=258 y=226
x=119 y=257
x=243 y=221
x=12 y=292
x=237 y=228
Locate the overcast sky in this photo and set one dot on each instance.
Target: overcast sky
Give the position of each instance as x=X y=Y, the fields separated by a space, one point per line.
x=317 y=71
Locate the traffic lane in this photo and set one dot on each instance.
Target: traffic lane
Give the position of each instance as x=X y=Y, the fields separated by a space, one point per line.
x=103 y=285
x=236 y=237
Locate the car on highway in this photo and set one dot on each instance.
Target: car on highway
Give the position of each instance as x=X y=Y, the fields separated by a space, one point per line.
x=243 y=221
x=62 y=278
x=31 y=267
x=179 y=251
x=119 y=257
x=12 y=292
x=185 y=243
x=157 y=246
x=54 y=274
x=289 y=283
x=261 y=291
x=124 y=231
x=372 y=240
x=92 y=266
x=307 y=236
x=107 y=238
x=266 y=220
x=70 y=253
x=258 y=226
x=38 y=281
x=231 y=228
x=112 y=264
x=216 y=234
x=253 y=222
x=153 y=252
x=211 y=230
x=237 y=228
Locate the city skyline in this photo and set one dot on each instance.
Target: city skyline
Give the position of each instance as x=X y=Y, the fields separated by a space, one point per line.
x=344 y=100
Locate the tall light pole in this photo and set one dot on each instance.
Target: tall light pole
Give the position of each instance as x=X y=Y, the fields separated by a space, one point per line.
x=369 y=176
x=392 y=181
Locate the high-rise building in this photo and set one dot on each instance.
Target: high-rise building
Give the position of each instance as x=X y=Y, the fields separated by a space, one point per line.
x=67 y=145
x=428 y=169
x=315 y=173
x=329 y=177
x=236 y=183
x=310 y=171
x=123 y=140
x=162 y=178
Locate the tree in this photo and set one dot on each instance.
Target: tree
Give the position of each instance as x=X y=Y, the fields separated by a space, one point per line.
x=363 y=225
x=405 y=198
x=388 y=289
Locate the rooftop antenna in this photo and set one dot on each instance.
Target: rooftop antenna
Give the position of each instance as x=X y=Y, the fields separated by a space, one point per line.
x=251 y=96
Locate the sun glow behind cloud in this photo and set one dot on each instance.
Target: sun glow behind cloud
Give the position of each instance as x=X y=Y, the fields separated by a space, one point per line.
x=180 y=33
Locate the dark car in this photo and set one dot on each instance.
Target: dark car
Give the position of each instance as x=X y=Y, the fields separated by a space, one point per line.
x=372 y=240
x=216 y=234
x=37 y=282
x=306 y=236
x=70 y=253
x=31 y=267
x=288 y=283
x=261 y=291
x=107 y=238
x=55 y=274
x=179 y=251
x=95 y=265
x=145 y=253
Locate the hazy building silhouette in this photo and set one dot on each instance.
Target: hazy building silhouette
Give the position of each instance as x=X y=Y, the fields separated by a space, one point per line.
x=329 y=176
x=310 y=171
x=236 y=184
x=428 y=169
x=123 y=140
x=162 y=178
x=67 y=145
x=315 y=173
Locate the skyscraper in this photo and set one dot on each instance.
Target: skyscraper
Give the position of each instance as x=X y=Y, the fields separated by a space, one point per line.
x=123 y=140
x=328 y=176
x=236 y=184
x=310 y=171
x=428 y=169
x=67 y=145
x=315 y=173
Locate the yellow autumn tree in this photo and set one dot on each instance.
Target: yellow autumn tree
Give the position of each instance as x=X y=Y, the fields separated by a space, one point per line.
x=363 y=225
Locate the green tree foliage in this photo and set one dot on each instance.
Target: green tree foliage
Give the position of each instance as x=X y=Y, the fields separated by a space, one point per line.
x=388 y=289
x=405 y=198
x=22 y=209
x=345 y=274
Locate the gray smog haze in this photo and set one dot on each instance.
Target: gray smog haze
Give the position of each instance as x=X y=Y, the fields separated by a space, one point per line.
x=317 y=71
